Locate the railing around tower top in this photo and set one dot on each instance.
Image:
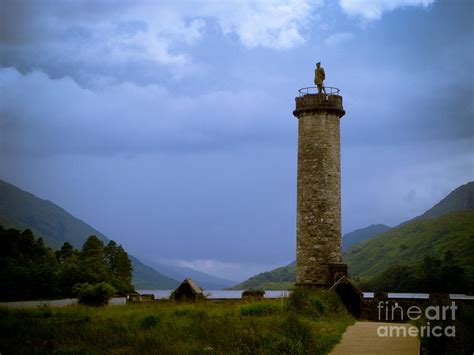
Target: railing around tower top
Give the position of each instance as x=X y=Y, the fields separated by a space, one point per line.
x=314 y=90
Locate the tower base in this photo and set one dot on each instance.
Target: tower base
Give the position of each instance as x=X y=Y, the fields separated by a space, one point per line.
x=336 y=272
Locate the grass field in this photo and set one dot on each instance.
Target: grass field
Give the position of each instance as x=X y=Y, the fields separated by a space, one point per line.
x=301 y=325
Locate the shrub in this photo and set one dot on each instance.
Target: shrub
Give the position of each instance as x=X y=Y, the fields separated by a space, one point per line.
x=462 y=343
x=94 y=295
x=306 y=302
x=259 y=309
x=253 y=294
x=150 y=321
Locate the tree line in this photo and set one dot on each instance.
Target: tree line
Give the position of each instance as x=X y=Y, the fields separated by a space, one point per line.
x=433 y=274
x=31 y=270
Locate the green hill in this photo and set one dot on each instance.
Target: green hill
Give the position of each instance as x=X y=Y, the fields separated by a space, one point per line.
x=430 y=237
x=409 y=243
x=20 y=209
x=281 y=278
x=360 y=235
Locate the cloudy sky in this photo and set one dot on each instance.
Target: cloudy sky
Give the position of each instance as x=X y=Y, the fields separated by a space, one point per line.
x=168 y=125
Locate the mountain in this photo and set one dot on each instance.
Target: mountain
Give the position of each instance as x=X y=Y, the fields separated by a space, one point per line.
x=281 y=278
x=459 y=199
x=362 y=234
x=369 y=251
x=410 y=242
x=20 y=209
x=205 y=281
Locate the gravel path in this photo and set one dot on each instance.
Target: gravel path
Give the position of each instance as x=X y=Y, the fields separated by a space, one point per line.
x=363 y=338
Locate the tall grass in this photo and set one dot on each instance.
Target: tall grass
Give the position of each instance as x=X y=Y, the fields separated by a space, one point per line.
x=462 y=343
x=263 y=327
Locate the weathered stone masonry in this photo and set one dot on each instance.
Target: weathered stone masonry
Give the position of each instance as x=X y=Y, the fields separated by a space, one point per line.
x=318 y=250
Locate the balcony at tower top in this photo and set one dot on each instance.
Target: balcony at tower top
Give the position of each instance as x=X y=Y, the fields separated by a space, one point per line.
x=312 y=90
x=311 y=101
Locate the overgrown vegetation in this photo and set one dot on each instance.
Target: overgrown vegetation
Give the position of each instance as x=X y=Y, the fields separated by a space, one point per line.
x=253 y=294
x=259 y=309
x=94 y=295
x=461 y=343
x=431 y=275
x=30 y=270
x=226 y=327
x=311 y=303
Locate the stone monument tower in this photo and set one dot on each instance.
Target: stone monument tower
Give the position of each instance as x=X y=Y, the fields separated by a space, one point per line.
x=318 y=232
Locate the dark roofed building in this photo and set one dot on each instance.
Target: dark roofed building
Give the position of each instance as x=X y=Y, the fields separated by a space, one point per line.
x=188 y=291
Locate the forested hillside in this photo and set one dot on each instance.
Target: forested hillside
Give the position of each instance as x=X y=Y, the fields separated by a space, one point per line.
x=21 y=210
x=31 y=270
x=411 y=242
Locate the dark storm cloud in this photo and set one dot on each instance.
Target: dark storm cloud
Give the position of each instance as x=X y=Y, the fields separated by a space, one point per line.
x=89 y=39
x=26 y=21
x=49 y=117
x=95 y=42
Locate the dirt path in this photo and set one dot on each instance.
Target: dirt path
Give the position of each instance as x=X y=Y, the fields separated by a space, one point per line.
x=363 y=338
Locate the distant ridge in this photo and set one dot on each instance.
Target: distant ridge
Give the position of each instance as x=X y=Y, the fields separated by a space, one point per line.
x=281 y=278
x=362 y=234
x=205 y=281
x=460 y=199
x=20 y=209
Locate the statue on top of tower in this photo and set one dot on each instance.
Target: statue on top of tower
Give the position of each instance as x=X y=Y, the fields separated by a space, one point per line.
x=319 y=76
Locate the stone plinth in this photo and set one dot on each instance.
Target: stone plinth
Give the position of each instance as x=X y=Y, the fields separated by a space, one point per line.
x=318 y=250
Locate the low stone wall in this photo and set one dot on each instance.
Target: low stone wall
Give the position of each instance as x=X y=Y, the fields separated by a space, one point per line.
x=403 y=309
x=55 y=303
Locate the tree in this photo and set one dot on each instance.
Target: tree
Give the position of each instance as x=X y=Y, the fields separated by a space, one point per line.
x=93 y=251
x=69 y=274
x=119 y=267
x=110 y=254
x=124 y=268
x=27 y=267
x=92 y=261
x=66 y=251
x=30 y=270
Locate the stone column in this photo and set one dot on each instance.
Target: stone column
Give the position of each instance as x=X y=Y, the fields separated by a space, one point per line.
x=318 y=232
